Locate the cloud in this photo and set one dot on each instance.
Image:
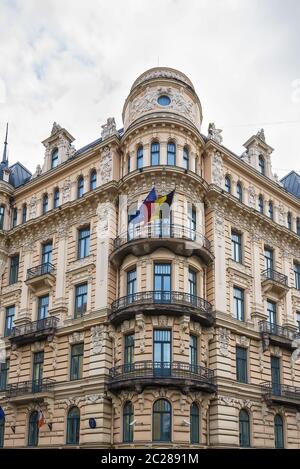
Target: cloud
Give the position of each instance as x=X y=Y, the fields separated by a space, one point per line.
x=74 y=62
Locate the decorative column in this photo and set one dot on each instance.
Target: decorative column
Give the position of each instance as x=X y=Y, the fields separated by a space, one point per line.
x=288 y=317
x=146 y=155
x=60 y=286
x=220 y=265
x=163 y=153
x=24 y=315
x=258 y=308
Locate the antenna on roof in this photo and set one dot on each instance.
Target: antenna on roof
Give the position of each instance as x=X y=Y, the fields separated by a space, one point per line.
x=4 y=159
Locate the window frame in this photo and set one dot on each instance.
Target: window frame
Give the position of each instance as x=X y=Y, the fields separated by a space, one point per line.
x=241 y=354
x=80 y=311
x=75 y=422
x=155 y=153
x=162 y=414
x=239 y=301
x=237 y=246
x=76 y=361
x=128 y=416
x=83 y=242
x=93 y=179
x=54 y=158
x=14 y=269
x=80 y=187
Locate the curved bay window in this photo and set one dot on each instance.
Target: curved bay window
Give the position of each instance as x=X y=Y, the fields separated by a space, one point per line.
x=155 y=153
x=139 y=157
x=128 y=417
x=93 y=180
x=186 y=158
x=194 y=423
x=33 y=429
x=80 y=187
x=171 y=154
x=278 y=431
x=73 y=426
x=162 y=420
x=244 y=428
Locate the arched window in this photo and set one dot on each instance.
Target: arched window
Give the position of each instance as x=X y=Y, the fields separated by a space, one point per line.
x=239 y=191
x=33 y=429
x=194 y=421
x=45 y=203
x=155 y=153
x=171 y=154
x=244 y=428
x=186 y=158
x=261 y=204
x=161 y=430
x=139 y=157
x=128 y=164
x=54 y=158
x=2 y=213
x=93 y=180
x=80 y=187
x=271 y=210
x=128 y=422
x=2 y=430
x=228 y=184
x=56 y=198
x=289 y=220
x=278 y=431
x=24 y=213
x=73 y=426
x=261 y=164
x=14 y=217
x=298 y=226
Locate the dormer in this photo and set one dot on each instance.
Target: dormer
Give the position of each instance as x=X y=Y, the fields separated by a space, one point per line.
x=58 y=146
x=258 y=154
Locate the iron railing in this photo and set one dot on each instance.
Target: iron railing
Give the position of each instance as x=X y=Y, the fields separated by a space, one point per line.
x=30 y=387
x=285 y=391
x=161 y=297
x=34 y=327
x=162 y=370
x=162 y=230
x=42 y=269
x=267 y=327
x=270 y=274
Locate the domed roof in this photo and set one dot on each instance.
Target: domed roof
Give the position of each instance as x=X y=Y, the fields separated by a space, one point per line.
x=162 y=72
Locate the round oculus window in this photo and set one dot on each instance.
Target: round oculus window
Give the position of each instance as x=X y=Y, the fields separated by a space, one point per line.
x=164 y=100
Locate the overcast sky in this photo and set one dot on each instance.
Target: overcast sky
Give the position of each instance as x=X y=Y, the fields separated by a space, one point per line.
x=74 y=62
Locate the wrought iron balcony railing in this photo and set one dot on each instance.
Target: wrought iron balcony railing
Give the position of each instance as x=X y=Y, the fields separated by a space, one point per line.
x=162 y=230
x=34 y=327
x=278 y=277
x=39 y=270
x=30 y=387
x=150 y=371
x=266 y=327
x=162 y=298
x=277 y=390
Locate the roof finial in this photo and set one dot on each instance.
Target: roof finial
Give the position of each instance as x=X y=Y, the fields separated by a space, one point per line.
x=4 y=159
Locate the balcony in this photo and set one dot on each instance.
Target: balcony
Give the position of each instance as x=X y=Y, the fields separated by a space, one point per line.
x=275 y=282
x=27 y=391
x=281 y=394
x=34 y=331
x=144 y=240
x=42 y=276
x=161 y=302
x=277 y=335
x=174 y=374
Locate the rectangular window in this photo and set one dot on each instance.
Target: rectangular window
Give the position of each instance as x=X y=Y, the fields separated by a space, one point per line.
x=162 y=283
x=241 y=364
x=2 y=213
x=154 y=154
x=76 y=362
x=14 y=217
x=239 y=303
x=37 y=371
x=24 y=213
x=271 y=310
x=4 y=368
x=9 y=320
x=193 y=353
x=80 y=300
x=269 y=259
x=83 y=242
x=192 y=222
x=236 y=244
x=171 y=154
x=297 y=276
x=128 y=352
x=275 y=375
x=131 y=285
x=14 y=269
x=162 y=352
x=43 y=307
x=47 y=254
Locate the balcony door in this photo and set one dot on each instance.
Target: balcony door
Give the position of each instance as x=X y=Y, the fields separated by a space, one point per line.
x=162 y=283
x=269 y=260
x=46 y=256
x=192 y=222
x=272 y=316
x=275 y=375
x=37 y=371
x=162 y=352
x=131 y=285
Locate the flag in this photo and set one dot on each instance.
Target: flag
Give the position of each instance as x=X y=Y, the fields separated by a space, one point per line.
x=41 y=419
x=159 y=202
x=144 y=212
x=2 y=414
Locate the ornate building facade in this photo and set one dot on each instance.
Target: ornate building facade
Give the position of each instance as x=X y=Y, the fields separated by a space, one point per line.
x=181 y=332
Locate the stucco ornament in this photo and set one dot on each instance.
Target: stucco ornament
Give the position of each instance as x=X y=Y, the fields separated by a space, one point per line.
x=217 y=169
x=219 y=224
x=251 y=197
x=66 y=190
x=103 y=213
x=261 y=135
x=109 y=128
x=224 y=337
x=162 y=73
x=3 y=260
x=98 y=335
x=55 y=128
x=214 y=133
x=38 y=171
x=106 y=165
x=281 y=215
x=2 y=351
x=32 y=207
